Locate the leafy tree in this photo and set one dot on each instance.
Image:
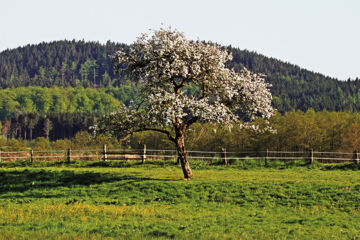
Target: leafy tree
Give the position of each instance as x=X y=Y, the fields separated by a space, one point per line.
x=64 y=70
x=88 y=71
x=33 y=120
x=47 y=127
x=61 y=100
x=351 y=138
x=106 y=80
x=166 y=63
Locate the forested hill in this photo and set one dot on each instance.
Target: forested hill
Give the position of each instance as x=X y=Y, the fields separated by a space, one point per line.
x=59 y=63
x=87 y=64
x=297 y=88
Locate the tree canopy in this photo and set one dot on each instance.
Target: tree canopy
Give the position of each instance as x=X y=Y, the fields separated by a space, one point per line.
x=167 y=64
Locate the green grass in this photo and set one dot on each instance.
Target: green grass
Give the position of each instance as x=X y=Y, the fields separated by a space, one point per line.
x=126 y=200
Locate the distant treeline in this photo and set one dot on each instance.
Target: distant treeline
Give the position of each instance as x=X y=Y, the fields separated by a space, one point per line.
x=52 y=125
x=296 y=131
x=57 y=113
x=88 y=64
x=26 y=100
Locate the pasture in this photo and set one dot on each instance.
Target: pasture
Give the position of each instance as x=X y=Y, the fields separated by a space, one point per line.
x=124 y=200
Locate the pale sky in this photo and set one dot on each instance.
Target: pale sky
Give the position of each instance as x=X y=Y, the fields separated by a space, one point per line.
x=319 y=35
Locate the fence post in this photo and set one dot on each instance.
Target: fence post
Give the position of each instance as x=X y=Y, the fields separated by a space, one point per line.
x=267 y=157
x=31 y=156
x=0 y=155
x=143 y=158
x=311 y=156
x=356 y=157
x=104 y=153
x=69 y=155
x=223 y=156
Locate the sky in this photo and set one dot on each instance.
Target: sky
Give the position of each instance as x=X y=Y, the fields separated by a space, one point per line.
x=319 y=35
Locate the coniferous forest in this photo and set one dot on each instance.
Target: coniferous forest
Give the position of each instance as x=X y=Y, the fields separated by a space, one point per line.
x=88 y=64
x=56 y=89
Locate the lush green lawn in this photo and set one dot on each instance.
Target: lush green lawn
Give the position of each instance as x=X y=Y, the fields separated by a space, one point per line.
x=130 y=201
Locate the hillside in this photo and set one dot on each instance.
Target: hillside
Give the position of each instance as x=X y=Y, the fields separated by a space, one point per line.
x=300 y=89
x=87 y=64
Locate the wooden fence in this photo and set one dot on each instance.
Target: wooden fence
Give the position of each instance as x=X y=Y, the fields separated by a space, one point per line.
x=144 y=154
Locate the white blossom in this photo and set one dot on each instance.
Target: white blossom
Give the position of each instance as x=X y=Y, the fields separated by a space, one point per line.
x=168 y=65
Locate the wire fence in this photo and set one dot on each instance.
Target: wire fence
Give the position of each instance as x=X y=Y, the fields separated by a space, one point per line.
x=162 y=154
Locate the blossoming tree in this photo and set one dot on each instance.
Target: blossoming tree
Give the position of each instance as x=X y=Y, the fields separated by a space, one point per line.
x=183 y=82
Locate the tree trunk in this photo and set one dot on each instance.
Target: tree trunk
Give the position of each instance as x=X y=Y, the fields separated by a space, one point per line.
x=31 y=133
x=182 y=154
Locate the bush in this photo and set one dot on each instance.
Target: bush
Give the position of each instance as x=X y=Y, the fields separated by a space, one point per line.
x=13 y=144
x=40 y=144
x=61 y=144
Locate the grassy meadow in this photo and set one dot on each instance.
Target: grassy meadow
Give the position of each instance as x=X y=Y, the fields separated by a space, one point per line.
x=123 y=200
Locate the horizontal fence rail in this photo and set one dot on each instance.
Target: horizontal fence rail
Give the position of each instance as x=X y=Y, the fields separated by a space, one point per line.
x=165 y=154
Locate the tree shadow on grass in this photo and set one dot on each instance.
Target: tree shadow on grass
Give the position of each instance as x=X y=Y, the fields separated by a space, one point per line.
x=131 y=163
x=89 y=164
x=342 y=166
x=23 y=180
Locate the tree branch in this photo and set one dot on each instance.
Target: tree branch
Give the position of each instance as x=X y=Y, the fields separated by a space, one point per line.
x=191 y=121
x=171 y=138
x=178 y=86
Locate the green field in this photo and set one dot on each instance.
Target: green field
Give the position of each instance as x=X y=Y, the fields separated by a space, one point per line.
x=133 y=201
